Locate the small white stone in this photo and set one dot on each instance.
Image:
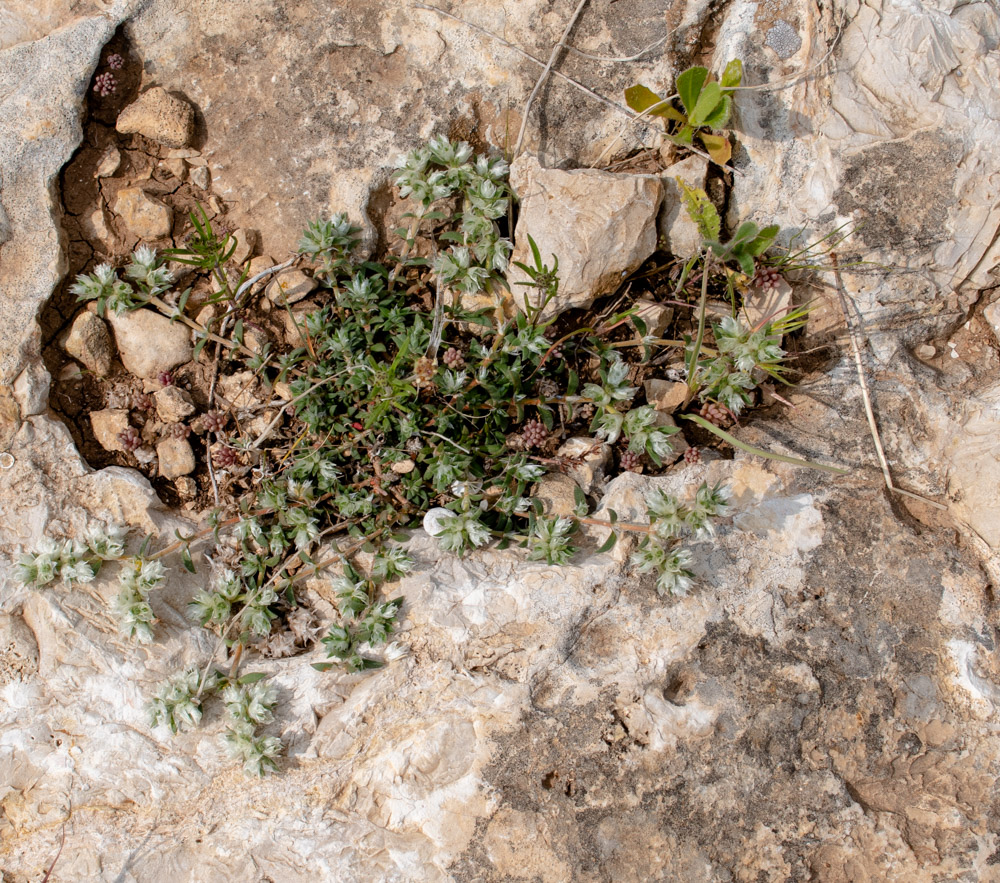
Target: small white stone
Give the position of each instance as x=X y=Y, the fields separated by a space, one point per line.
x=433 y=519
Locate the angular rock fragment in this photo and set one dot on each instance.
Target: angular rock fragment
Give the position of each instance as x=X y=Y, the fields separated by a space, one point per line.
x=144 y=215
x=89 y=343
x=159 y=116
x=601 y=227
x=290 y=286
x=150 y=343
x=173 y=404
x=108 y=424
x=175 y=456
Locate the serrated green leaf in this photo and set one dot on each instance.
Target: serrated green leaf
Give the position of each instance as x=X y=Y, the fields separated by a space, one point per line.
x=700 y=209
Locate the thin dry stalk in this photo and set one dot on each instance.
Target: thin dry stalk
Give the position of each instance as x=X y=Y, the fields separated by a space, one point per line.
x=865 y=394
x=556 y=52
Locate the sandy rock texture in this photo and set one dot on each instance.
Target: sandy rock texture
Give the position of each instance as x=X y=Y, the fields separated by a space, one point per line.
x=822 y=706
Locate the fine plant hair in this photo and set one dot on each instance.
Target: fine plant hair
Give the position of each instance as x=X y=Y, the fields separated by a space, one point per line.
x=419 y=399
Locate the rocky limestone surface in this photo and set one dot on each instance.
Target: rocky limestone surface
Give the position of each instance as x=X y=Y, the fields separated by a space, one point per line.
x=821 y=707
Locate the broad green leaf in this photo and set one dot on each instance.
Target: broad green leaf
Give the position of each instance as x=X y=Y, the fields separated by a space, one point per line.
x=711 y=96
x=718 y=148
x=732 y=76
x=745 y=234
x=689 y=86
x=764 y=240
x=640 y=99
x=719 y=116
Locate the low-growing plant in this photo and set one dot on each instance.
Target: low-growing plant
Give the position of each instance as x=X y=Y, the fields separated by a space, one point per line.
x=408 y=405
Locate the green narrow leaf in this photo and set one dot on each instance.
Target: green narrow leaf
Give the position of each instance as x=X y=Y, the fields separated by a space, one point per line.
x=612 y=516
x=572 y=383
x=736 y=443
x=689 y=86
x=252 y=677
x=186 y=560
x=144 y=548
x=198 y=347
x=608 y=544
x=579 y=497
x=238 y=332
x=323 y=666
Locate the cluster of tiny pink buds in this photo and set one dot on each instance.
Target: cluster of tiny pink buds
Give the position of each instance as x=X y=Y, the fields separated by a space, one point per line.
x=177 y=430
x=631 y=461
x=130 y=439
x=714 y=413
x=142 y=401
x=115 y=61
x=766 y=278
x=453 y=358
x=105 y=84
x=213 y=421
x=165 y=378
x=224 y=456
x=692 y=456
x=534 y=433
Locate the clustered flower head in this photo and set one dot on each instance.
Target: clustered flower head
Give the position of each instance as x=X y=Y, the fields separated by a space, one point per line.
x=137 y=578
x=176 y=704
x=728 y=378
x=130 y=439
x=534 y=433
x=71 y=561
x=670 y=519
